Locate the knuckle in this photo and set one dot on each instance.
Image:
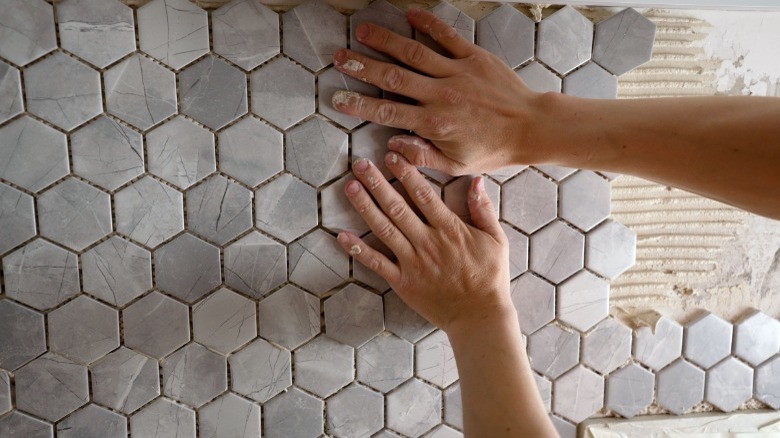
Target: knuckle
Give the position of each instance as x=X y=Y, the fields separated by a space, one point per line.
x=386 y=113
x=451 y=96
x=415 y=53
x=437 y=126
x=364 y=206
x=374 y=263
x=386 y=231
x=451 y=229
x=383 y=38
x=397 y=210
x=424 y=194
x=394 y=78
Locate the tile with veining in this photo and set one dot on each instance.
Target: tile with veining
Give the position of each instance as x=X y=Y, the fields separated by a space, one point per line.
x=583 y=300
x=456 y=196
x=403 y=321
x=75 y=214
x=93 y=421
x=184 y=379
x=539 y=78
x=213 y=92
x=584 y=199
x=107 y=153
x=385 y=362
x=414 y=408
x=317 y=263
x=260 y=371
x=534 y=300
x=353 y=315
x=591 y=82
x=289 y=317
x=544 y=387
x=435 y=360
x=607 y=347
x=164 y=419
x=453 y=406
x=27 y=31
x=323 y=366
x=10 y=92
x=444 y=432
x=181 y=152
x=250 y=151
x=756 y=337
x=313 y=18
x=503 y=174
x=293 y=413
x=578 y=394
x=22 y=335
x=680 y=387
x=229 y=415
x=5 y=392
x=140 y=92
x=503 y=25
x=41 y=275
x=610 y=249
x=125 y=380
x=219 y=209
x=355 y=411
x=97 y=31
x=553 y=350
x=338 y=214
x=518 y=250
x=363 y=274
x=729 y=384
x=175 y=32
x=316 y=151
x=282 y=93
x=34 y=155
x=156 y=325
x=17 y=218
x=245 y=32
x=187 y=267
x=370 y=142
x=557 y=251
x=565 y=40
x=51 y=377
x=381 y=13
x=117 y=271
x=19 y=424
x=83 y=339
x=767 y=387
x=529 y=201
x=707 y=340
x=286 y=208
x=564 y=428
x=629 y=390
x=658 y=348
x=149 y=212
x=255 y=265
x=455 y=18
x=330 y=81
x=224 y=321
x=623 y=41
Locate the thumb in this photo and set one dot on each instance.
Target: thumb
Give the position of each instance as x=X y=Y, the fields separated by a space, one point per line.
x=422 y=153
x=483 y=215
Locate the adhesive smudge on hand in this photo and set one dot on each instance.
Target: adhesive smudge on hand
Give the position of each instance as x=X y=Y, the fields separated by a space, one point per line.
x=342 y=97
x=355 y=250
x=353 y=65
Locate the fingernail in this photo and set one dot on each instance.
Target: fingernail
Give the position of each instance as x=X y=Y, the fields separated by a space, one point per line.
x=342 y=98
x=363 y=31
x=414 y=12
x=360 y=165
x=340 y=57
x=353 y=187
x=343 y=237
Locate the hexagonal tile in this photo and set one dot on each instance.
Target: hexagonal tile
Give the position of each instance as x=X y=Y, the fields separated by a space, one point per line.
x=435 y=360
x=756 y=337
x=585 y=199
x=557 y=173
x=370 y=142
x=382 y=13
x=658 y=347
x=93 y=420
x=456 y=196
x=36 y=155
x=316 y=152
x=140 y=92
x=623 y=41
x=245 y=33
x=230 y=415
x=317 y=263
x=607 y=347
x=286 y=208
x=385 y=433
x=149 y=212
x=27 y=32
x=213 y=92
x=282 y=92
x=82 y=339
x=530 y=201
x=503 y=174
x=337 y=213
x=185 y=378
x=156 y=325
x=414 y=408
x=175 y=32
x=74 y=214
x=250 y=151
x=219 y=209
x=19 y=424
x=454 y=17
x=164 y=418
x=557 y=251
x=534 y=300
x=564 y=428
x=355 y=411
x=314 y=18
x=552 y=362
x=331 y=80
x=117 y=271
x=583 y=300
x=224 y=321
x=107 y=153
x=578 y=394
x=729 y=384
x=707 y=340
x=41 y=275
x=260 y=371
x=17 y=218
x=97 y=31
x=539 y=78
x=21 y=334
x=51 y=377
x=364 y=274
x=294 y=413
x=125 y=380
x=610 y=249
x=353 y=315
x=767 y=387
x=385 y=362
x=181 y=152
x=403 y=321
x=289 y=317
x=453 y=406
x=507 y=24
x=323 y=366
x=544 y=387
x=10 y=92
x=443 y=431
x=680 y=387
x=255 y=265
x=630 y=390
x=187 y=267
x=591 y=82
x=565 y=40
x=5 y=392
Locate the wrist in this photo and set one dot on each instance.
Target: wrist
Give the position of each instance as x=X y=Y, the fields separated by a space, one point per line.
x=498 y=318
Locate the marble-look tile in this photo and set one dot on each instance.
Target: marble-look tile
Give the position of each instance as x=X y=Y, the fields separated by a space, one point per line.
x=578 y=394
x=384 y=433
x=181 y=152
x=629 y=390
x=314 y=17
x=17 y=218
x=117 y=271
x=184 y=378
x=565 y=40
x=330 y=81
x=707 y=340
x=729 y=384
x=74 y=214
x=149 y=212
x=293 y=413
x=507 y=24
x=97 y=31
x=27 y=31
x=370 y=142
x=316 y=151
x=756 y=337
x=623 y=41
x=22 y=335
x=140 y=92
x=564 y=428
x=456 y=196
x=607 y=347
x=385 y=362
x=353 y=315
x=403 y=321
x=164 y=419
x=187 y=267
x=557 y=251
x=610 y=249
x=337 y=213
x=219 y=209
x=453 y=406
x=414 y=408
x=83 y=339
x=282 y=92
x=35 y=155
x=63 y=91
x=455 y=18
x=539 y=78
x=125 y=380
x=107 y=153
x=93 y=421
x=680 y=387
x=224 y=321
x=363 y=274
x=444 y=432
x=529 y=201
x=213 y=92
x=229 y=415
x=289 y=317
x=534 y=300
x=323 y=366
x=245 y=32
x=503 y=174
x=659 y=347
x=317 y=263
x=767 y=387
x=591 y=82
x=355 y=411
x=583 y=300
x=251 y=151
x=286 y=208
x=518 y=250
x=260 y=371
x=255 y=265
x=51 y=377
x=176 y=32
x=585 y=199
x=156 y=325
x=22 y=425
x=10 y=92
x=557 y=173
x=381 y=13
x=41 y=275
x=5 y=392
x=552 y=362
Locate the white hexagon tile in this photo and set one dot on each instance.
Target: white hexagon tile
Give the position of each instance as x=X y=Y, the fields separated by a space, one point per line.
x=170 y=191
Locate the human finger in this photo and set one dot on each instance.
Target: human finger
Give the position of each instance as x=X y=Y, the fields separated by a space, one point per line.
x=369 y=257
x=483 y=215
x=423 y=153
x=423 y=196
x=441 y=32
x=382 y=111
x=389 y=77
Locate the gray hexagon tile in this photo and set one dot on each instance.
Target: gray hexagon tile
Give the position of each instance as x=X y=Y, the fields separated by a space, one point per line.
x=337 y=213
x=591 y=82
x=36 y=155
x=382 y=13
x=504 y=174
x=22 y=334
x=260 y=371
x=10 y=92
x=385 y=362
x=530 y=201
x=97 y=31
x=282 y=92
x=583 y=300
x=149 y=212
x=213 y=92
x=544 y=387
x=729 y=384
x=194 y=375
x=553 y=362
x=51 y=377
x=623 y=41
x=414 y=408
x=659 y=346
x=83 y=339
x=557 y=251
x=539 y=78
x=293 y=413
x=364 y=274
x=578 y=394
x=610 y=249
x=255 y=265
x=403 y=321
x=629 y=390
x=17 y=218
x=313 y=18
x=507 y=24
x=443 y=431
x=125 y=380
x=355 y=411
x=19 y=424
x=164 y=418
x=328 y=82
x=5 y=392
x=453 y=406
x=117 y=271
x=219 y=209
x=286 y=208
x=289 y=317
x=534 y=300
x=187 y=267
x=93 y=420
x=175 y=32
x=767 y=388
x=230 y=415
x=245 y=32
x=557 y=173
x=565 y=40
x=756 y=338
x=323 y=366
x=456 y=196
x=224 y=321
x=680 y=387
x=107 y=153
x=353 y=315
x=317 y=263
x=74 y=214
x=435 y=360
x=27 y=32
x=585 y=199
x=250 y=151
x=455 y=18
x=316 y=151
x=607 y=347
x=370 y=142
x=181 y=152
x=156 y=325
x=707 y=340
